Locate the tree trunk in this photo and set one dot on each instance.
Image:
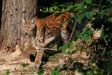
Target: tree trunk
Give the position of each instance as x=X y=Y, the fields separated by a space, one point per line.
x=11 y=21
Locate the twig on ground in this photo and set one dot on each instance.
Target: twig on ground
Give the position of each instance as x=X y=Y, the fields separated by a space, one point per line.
x=49 y=49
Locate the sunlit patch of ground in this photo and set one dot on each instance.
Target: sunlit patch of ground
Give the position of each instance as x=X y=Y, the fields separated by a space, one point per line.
x=12 y=64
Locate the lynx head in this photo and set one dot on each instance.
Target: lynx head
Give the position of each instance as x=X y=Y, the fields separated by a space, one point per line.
x=28 y=26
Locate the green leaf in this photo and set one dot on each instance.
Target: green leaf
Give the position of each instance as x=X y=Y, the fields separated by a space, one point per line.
x=7 y=72
x=55 y=72
x=40 y=71
x=89 y=15
x=102 y=34
x=79 y=17
x=63 y=48
x=79 y=6
x=55 y=7
x=70 y=8
x=85 y=37
x=51 y=9
x=90 y=32
x=70 y=51
x=86 y=34
x=47 y=9
x=89 y=73
x=88 y=1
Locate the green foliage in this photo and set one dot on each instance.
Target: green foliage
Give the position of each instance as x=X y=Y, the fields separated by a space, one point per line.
x=108 y=67
x=55 y=72
x=7 y=72
x=85 y=34
x=90 y=73
x=65 y=47
x=88 y=1
x=40 y=71
x=24 y=65
x=79 y=7
x=99 y=13
x=89 y=15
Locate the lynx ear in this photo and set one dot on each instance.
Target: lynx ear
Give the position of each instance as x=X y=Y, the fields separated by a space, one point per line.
x=23 y=20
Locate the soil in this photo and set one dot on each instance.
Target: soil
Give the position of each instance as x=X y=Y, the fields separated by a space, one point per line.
x=15 y=64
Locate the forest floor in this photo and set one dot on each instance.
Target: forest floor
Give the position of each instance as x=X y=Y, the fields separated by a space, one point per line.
x=12 y=64
x=9 y=65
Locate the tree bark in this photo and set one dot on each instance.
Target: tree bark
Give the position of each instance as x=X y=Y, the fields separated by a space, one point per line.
x=11 y=21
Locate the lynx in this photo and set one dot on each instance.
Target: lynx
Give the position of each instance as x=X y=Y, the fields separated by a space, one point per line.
x=48 y=29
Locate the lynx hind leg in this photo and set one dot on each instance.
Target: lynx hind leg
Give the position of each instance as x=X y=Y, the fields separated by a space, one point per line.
x=38 y=58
